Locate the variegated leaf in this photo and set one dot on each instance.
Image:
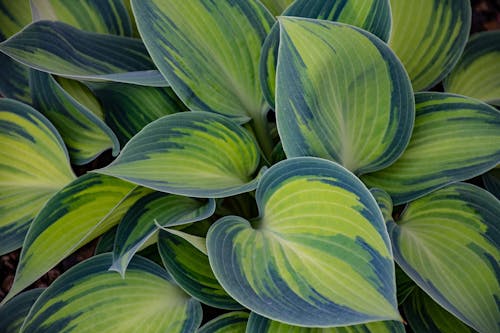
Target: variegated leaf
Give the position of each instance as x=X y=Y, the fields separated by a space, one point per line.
x=335 y=102
x=455 y=138
x=232 y=322
x=319 y=254
x=15 y=311
x=276 y=7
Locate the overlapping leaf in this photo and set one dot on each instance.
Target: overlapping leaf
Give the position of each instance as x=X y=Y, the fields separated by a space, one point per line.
x=15 y=311
x=276 y=7
x=145 y=298
x=232 y=322
x=320 y=255
x=448 y=242
x=477 y=74
x=372 y=16
x=460 y=135
x=34 y=165
x=341 y=95
x=429 y=36
x=197 y=154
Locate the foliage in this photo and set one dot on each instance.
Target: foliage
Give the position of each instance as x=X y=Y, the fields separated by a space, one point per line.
x=281 y=162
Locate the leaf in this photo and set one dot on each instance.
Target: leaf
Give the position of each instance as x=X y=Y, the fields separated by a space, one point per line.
x=89 y=298
x=276 y=7
x=491 y=181
x=34 y=165
x=208 y=51
x=82 y=94
x=232 y=322
x=15 y=311
x=141 y=222
x=61 y=49
x=320 y=255
x=191 y=270
x=439 y=31
x=460 y=135
x=425 y=315
x=85 y=135
x=261 y=324
x=196 y=154
x=81 y=211
x=373 y=16
x=477 y=73
x=448 y=242
x=128 y=108
x=335 y=102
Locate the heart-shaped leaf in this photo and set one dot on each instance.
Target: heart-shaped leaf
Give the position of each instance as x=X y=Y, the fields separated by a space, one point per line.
x=34 y=165
x=145 y=298
x=460 y=135
x=198 y=154
x=320 y=256
x=15 y=311
x=335 y=102
x=232 y=322
x=429 y=36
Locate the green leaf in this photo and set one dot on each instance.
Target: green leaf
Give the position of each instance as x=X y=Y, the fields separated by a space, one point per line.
x=372 y=15
x=425 y=315
x=477 y=74
x=335 y=102
x=460 y=135
x=128 y=108
x=448 y=242
x=320 y=255
x=14 y=15
x=89 y=298
x=208 y=51
x=191 y=270
x=15 y=311
x=232 y=322
x=197 y=154
x=429 y=36
x=141 y=222
x=82 y=94
x=276 y=7
x=34 y=165
x=61 y=49
x=85 y=135
x=491 y=181
x=81 y=211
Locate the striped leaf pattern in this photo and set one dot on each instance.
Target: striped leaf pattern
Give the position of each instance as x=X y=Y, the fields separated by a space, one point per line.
x=370 y=15
x=335 y=102
x=460 y=135
x=15 y=311
x=197 y=154
x=477 y=74
x=34 y=165
x=448 y=242
x=429 y=36
x=82 y=94
x=141 y=222
x=319 y=256
x=146 y=298
x=75 y=215
x=85 y=135
x=208 y=51
x=261 y=324
x=276 y=7
x=191 y=270
x=232 y=322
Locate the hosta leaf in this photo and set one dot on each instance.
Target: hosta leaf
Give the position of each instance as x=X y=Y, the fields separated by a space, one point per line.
x=260 y=324
x=61 y=49
x=232 y=322
x=197 y=154
x=85 y=135
x=425 y=315
x=338 y=103
x=372 y=15
x=320 y=255
x=89 y=298
x=491 y=181
x=15 y=311
x=208 y=51
x=448 y=242
x=34 y=165
x=82 y=94
x=141 y=222
x=191 y=270
x=477 y=74
x=128 y=108
x=460 y=135
x=429 y=36
x=276 y=7
x=75 y=215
